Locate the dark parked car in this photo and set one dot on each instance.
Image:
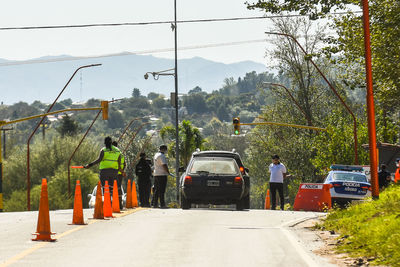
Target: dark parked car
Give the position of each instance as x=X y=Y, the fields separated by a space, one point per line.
x=215 y=177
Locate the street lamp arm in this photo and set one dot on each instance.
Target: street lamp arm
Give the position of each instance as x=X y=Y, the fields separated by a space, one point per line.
x=331 y=87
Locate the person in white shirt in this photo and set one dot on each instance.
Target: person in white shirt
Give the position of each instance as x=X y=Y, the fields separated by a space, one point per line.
x=161 y=173
x=278 y=173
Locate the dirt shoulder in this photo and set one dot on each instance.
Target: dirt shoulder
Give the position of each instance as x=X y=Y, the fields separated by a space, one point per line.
x=324 y=243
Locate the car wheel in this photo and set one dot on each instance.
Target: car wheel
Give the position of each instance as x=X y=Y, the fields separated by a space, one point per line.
x=185 y=204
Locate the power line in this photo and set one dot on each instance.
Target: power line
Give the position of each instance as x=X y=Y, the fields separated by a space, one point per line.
x=156 y=22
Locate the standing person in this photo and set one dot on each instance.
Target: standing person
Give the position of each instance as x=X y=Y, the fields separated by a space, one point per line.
x=110 y=162
x=143 y=172
x=384 y=177
x=278 y=173
x=120 y=176
x=161 y=173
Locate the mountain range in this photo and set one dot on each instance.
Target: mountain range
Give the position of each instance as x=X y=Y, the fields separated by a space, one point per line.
x=43 y=78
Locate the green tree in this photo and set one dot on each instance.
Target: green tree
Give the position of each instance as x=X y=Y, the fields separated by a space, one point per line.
x=68 y=127
x=189 y=137
x=136 y=93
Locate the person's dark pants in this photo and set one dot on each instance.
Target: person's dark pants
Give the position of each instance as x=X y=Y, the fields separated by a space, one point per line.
x=108 y=175
x=144 y=184
x=273 y=188
x=160 y=184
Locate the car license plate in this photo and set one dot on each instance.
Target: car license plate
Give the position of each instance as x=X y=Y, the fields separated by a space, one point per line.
x=212 y=182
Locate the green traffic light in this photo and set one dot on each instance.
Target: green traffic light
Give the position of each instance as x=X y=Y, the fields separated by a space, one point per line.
x=236 y=132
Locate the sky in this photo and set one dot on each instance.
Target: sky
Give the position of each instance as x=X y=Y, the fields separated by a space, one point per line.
x=28 y=44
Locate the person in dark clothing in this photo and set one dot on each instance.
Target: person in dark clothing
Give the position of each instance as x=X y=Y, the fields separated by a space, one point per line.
x=143 y=172
x=384 y=177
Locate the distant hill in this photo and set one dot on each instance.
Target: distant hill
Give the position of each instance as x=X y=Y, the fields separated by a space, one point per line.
x=116 y=78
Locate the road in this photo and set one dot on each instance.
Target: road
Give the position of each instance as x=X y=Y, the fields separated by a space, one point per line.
x=160 y=237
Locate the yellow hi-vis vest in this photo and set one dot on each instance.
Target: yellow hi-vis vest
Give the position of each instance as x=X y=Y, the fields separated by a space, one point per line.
x=122 y=163
x=110 y=159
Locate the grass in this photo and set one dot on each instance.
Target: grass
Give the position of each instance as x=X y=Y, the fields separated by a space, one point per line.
x=370 y=229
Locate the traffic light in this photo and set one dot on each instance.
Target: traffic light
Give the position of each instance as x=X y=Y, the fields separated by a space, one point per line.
x=104 y=109
x=236 y=126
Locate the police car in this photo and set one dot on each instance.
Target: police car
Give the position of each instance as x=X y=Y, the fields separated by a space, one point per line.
x=348 y=183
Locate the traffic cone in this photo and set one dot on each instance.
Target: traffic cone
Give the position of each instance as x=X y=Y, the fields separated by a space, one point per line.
x=267 y=204
x=107 y=201
x=129 y=195
x=98 y=206
x=43 y=232
x=78 y=209
x=115 y=203
x=134 y=196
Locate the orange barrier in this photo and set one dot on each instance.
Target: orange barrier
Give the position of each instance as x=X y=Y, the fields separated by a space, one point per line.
x=134 y=195
x=115 y=202
x=267 y=204
x=77 y=217
x=129 y=195
x=397 y=176
x=313 y=197
x=107 y=201
x=76 y=167
x=98 y=206
x=43 y=232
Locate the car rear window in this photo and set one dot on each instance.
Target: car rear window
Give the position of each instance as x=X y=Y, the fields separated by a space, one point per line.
x=215 y=166
x=355 y=177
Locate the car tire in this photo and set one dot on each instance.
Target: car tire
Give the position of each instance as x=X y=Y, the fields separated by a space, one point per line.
x=185 y=204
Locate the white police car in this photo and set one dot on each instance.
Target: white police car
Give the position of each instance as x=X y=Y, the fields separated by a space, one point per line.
x=92 y=197
x=348 y=183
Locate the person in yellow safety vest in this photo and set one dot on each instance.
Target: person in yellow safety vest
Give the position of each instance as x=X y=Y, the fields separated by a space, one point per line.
x=121 y=175
x=110 y=162
x=397 y=173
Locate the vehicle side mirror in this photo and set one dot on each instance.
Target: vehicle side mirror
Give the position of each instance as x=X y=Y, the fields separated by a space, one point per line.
x=89 y=195
x=182 y=169
x=247 y=170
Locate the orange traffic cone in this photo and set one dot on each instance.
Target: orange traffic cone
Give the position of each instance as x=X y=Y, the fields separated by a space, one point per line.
x=267 y=205
x=134 y=196
x=78 y=209
x=43 y=232
x=129 y=195
x=98 y=206
x=107 y=201
x=115 y=203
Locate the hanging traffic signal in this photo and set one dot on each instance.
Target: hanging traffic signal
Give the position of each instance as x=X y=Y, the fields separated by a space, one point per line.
x=236 y=126
x=104 y=109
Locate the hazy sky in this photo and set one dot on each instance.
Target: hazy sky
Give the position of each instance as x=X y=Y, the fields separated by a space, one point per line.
x=27 y=44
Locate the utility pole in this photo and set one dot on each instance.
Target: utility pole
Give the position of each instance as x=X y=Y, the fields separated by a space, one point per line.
x=176 y=108
x=4 y=140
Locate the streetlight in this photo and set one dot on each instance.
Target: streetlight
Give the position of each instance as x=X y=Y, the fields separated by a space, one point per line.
x=370 y=103
x=28 y=174
x=157 y=74
x=332 y=88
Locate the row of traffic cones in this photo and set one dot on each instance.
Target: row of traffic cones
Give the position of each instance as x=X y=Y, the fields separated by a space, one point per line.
x=101 y=210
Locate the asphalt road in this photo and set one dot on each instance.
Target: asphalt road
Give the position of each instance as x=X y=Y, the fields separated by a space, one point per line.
x=158 y=237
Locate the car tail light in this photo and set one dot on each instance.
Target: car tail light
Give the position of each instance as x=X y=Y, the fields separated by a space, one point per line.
x=188 y=179
x=336 y=185
x=241 y=170
x=367 y=187
x=238 y=180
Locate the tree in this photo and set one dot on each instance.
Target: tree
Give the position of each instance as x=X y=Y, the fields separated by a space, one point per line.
x=189 y=137
x=68 y=127
x=136 y=93
x=314 y=9
x=195 y=90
